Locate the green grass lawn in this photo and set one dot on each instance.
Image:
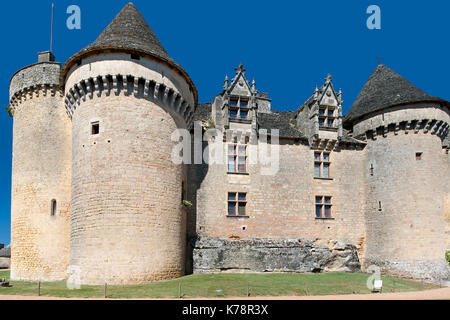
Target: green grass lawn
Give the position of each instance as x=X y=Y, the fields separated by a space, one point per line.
x=232 y=285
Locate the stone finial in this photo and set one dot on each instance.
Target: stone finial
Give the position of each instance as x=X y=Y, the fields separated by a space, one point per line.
x=253 y=85
x=339 y=96
x=240 y=68
x=225 y=85
x=316 y=92
x=329 y=78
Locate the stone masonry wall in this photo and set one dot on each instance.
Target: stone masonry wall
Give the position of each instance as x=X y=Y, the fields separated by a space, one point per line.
x=128 y=224
x=405 y=202
x=283 y=206
x=40 y=173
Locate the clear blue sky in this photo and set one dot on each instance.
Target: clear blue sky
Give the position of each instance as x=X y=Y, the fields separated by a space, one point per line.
x=287 y=46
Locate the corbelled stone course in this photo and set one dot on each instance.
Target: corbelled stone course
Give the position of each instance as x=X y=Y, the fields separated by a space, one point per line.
x=273 y=255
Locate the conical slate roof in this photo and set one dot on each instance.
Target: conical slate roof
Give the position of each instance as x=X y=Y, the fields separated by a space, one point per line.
x=128 y=32
x=386 y=88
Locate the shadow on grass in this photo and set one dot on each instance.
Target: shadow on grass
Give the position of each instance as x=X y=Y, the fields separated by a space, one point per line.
x=223 y=286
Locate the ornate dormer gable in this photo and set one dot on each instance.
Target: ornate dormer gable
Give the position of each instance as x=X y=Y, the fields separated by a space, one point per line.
x=239 y=85
x=320 y=117
x=238 y=104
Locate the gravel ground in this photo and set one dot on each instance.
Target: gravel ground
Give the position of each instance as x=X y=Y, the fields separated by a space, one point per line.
x=435 y=294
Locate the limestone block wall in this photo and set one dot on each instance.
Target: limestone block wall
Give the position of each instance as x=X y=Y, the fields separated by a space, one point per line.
x=446 y=156
x=405 y=204
x=128 y=224
x=283 y=205
x=41 y=167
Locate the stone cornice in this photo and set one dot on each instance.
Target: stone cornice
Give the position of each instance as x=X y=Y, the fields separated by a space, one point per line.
x=132 y=86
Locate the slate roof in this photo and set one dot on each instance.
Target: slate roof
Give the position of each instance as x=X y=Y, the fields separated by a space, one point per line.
x=203 y=112
x=281 y=120
x=129 y=32
x=386 y=88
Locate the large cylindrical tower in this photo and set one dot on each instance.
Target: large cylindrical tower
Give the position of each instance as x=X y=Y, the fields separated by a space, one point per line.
x=40 y=205
x=406 y=175
x=126 y=97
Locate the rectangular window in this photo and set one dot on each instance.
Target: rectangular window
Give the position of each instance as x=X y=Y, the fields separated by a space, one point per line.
x=237 y=204
x=419 y=156
x=237 y=158
x=327 y=117
x=323 y=207
x=239 y=108
x=233 y=113
x=322 y=165
x=95 y=128
x=244 y=114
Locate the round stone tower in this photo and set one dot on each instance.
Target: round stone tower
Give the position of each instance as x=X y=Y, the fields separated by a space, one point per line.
x=406 y=174
x=40 y=205
x=126 y=97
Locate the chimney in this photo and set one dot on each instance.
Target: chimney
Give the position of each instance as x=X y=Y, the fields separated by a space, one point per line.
x=46 y=56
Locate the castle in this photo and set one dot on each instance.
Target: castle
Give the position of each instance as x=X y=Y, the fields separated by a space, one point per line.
x=94 y=185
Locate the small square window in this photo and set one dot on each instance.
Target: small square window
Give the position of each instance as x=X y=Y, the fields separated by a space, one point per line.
x=323 y=207
x=95 y=128
x=237 y=204
x=419 y=156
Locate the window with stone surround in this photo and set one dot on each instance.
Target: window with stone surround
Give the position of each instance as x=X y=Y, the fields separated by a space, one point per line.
x=322 y=165
x=239 y=109
x=237 y=158
x=323 y=207
x=237 y=204
x=327 y=117
x=419 y=156
x=95 y=128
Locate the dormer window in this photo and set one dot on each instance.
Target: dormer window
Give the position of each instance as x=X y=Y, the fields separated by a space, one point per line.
x=327 y=117
x=239 y=108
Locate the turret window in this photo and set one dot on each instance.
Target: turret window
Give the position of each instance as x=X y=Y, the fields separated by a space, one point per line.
x=95 y=128
x=53 y=208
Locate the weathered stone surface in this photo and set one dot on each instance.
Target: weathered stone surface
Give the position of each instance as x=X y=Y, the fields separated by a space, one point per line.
x=5 y=263
x=5 y=252
x=416 y=269
x=273 y=255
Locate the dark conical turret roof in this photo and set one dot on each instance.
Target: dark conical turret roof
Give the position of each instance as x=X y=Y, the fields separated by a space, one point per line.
x=386 y=88
x=128 y=32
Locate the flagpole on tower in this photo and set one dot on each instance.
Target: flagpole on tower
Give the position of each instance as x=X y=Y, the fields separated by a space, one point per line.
x=51 y=29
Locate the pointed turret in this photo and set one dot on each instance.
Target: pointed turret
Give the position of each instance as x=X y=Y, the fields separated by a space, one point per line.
x=128 y=32
x=386 y=88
